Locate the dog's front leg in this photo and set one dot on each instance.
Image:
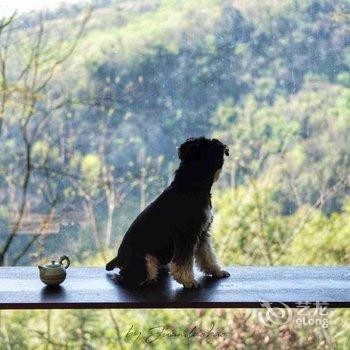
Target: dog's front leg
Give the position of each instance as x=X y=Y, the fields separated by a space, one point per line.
x=181 y=266
x=206 y=259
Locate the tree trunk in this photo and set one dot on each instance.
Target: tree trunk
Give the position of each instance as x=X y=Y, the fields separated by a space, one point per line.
x=95 y=231
x=111 y=207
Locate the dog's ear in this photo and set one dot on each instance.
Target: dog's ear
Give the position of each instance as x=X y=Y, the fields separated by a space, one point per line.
x=226 y=149
x=188 y=150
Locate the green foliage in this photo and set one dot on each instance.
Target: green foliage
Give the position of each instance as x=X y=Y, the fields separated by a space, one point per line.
x=321 y=241
x=120 y=329
x=91 y=166
x=249 y=221
x=284 y=139
x=255 y=231
x=269 y=78
x=143 y=33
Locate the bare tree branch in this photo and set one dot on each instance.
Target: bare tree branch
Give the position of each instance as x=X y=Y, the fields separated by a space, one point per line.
x=31 y=81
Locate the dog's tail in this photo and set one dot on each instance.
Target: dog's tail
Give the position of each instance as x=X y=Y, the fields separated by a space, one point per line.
x=112 y=264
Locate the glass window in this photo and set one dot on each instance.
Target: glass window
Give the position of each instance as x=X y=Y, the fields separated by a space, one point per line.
x=95 y=101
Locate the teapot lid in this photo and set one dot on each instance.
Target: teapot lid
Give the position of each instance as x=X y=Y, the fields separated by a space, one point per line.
x=53 y=264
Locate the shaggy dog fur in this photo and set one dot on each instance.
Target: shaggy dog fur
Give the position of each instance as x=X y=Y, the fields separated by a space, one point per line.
x=174 y=229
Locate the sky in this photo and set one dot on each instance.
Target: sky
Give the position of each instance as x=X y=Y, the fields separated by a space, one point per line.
x=7 y=7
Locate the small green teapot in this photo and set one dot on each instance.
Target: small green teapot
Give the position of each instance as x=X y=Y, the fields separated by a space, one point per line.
x=55 y=273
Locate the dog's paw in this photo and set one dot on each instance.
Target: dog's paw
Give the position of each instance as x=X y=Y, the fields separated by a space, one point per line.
x=147 y=282
x=191 y=284
x=221 y=274
x=150 y=281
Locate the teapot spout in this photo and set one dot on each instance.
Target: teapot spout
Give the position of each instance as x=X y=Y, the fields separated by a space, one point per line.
x=41 y=269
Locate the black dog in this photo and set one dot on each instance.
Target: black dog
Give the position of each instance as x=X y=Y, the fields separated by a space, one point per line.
x=175 y=227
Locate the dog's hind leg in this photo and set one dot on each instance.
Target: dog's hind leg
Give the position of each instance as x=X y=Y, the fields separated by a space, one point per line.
x=152 y=267
x=206 y=259
x=134 y=271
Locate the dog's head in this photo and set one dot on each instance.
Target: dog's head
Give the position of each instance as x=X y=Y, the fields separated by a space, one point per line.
x=208 y=153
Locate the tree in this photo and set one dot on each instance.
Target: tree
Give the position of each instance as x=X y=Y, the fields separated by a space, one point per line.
x=27 y=105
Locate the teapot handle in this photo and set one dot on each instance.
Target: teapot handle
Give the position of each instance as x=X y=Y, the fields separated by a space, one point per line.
x=65 y=257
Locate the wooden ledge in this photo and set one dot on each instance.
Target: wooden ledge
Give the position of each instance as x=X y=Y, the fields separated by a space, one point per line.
x=248 y=287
